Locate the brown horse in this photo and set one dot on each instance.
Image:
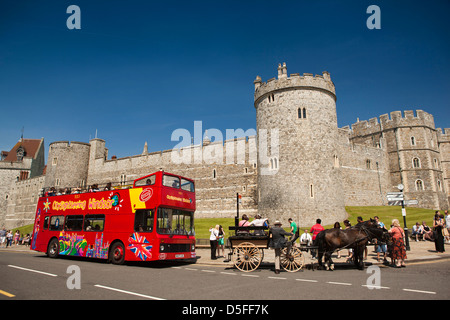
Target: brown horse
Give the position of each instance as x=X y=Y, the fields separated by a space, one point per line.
x=355 y=238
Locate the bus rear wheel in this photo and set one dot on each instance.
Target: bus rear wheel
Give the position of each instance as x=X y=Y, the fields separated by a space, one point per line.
x=117 y=253
x=53 y=248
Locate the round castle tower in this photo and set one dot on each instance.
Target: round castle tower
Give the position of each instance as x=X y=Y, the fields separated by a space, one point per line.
x=297 y=176
x=68 y=164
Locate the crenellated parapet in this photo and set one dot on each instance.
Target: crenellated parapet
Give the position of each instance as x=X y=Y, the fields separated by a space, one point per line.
x=443 y=135
x=395 y=119
x=294 y=81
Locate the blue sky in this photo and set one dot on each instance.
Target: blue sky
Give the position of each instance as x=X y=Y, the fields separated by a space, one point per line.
x=138 y=70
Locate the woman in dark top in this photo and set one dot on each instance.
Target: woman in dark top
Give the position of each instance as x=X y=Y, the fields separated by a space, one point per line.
x=438 y=224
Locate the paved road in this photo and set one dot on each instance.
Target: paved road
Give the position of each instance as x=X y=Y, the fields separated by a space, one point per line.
x=30 y=275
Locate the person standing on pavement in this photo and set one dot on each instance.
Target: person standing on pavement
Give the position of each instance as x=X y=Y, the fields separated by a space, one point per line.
x=2 y=236
x=438 y=225
x=213 y=241
x=447 y=226
x=398 y=247
x=278 y=242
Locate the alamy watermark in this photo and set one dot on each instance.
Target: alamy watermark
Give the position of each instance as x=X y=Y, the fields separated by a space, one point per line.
x=209 y=147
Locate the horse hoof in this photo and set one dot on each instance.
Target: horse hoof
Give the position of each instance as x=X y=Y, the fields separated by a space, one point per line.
x=332 y=267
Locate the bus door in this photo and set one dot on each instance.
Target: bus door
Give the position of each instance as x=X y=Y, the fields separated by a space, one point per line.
x=142 y=242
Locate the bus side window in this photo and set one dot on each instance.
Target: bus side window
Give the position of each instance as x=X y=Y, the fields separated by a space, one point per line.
x=143 y=221
x=74 y=223
x=94 y=222
x=46 y=222
x=56 y=223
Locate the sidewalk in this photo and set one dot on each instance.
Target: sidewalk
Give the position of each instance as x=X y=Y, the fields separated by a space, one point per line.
x=420 y=251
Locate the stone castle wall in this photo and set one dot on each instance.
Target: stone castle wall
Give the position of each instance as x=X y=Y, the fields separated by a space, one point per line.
x=217 y=178
x=300 y=164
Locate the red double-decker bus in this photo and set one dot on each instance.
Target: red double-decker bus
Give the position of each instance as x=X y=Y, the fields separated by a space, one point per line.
x=152 y=220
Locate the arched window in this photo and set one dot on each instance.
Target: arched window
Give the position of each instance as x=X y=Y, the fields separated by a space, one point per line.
x=274 y=163
x=336 y=161
x=439 y=185
x=416 y=163
x=419 y=185
x=299 y=113
x=304 y=113
x=413 y=141
x=368 y=164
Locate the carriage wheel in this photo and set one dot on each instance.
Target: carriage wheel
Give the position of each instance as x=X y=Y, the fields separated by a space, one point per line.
x=246 y=257
x=293 y=261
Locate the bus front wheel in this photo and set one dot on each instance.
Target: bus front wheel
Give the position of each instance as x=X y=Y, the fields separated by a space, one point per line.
x=117 y=253
x=53 y=248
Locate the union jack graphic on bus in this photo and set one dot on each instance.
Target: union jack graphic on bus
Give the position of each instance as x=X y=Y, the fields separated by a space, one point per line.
x=140 y=246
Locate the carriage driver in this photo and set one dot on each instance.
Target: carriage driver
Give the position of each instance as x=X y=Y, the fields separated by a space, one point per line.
x=278 y=242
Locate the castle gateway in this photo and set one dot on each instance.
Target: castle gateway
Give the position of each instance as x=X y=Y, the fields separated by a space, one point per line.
x=300 y=164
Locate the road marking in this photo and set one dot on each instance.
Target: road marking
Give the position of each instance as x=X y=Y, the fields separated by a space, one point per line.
x=306 y=280
x=36 y=271
x=419 y=291
x=7 y=294
x=374 y=287
x=191 y=269
x=279 y=278
x=128 y=292
x=250 y=275
x=340 y=283
x=211 y=271
x=229 y=273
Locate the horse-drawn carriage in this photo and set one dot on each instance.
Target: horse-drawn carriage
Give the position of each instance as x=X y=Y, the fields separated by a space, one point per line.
x=247 y=250
x=248 y=244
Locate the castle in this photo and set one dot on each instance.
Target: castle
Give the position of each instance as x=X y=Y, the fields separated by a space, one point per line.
x=299 y=165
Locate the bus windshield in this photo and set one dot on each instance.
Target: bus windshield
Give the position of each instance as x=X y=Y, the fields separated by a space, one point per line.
x=175 y=222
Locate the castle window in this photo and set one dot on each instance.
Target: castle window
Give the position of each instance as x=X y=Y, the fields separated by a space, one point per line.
x=123 y=179
x=368 y=164
x=301 y=113
x=23 y=175
x=274 y=163
x=54 y=161
x=311 y=191
x=57 y=183
x=436 y=164
x=419 y=185
x=416 y=163
x=336 y=161
x=413 y=141
x=214 y=174
x=439 y=185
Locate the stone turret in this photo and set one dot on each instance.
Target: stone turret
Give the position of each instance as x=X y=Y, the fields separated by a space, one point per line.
x=299 y=114
x=68 y=164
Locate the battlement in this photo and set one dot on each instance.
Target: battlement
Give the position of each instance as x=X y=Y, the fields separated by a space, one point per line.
x=307 y=81
x=394 y=120
x=443 y=135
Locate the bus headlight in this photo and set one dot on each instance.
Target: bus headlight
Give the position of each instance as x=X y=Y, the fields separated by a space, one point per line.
x=161 y=248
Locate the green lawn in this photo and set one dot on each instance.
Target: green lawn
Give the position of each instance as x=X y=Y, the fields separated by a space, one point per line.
x=386 y=214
